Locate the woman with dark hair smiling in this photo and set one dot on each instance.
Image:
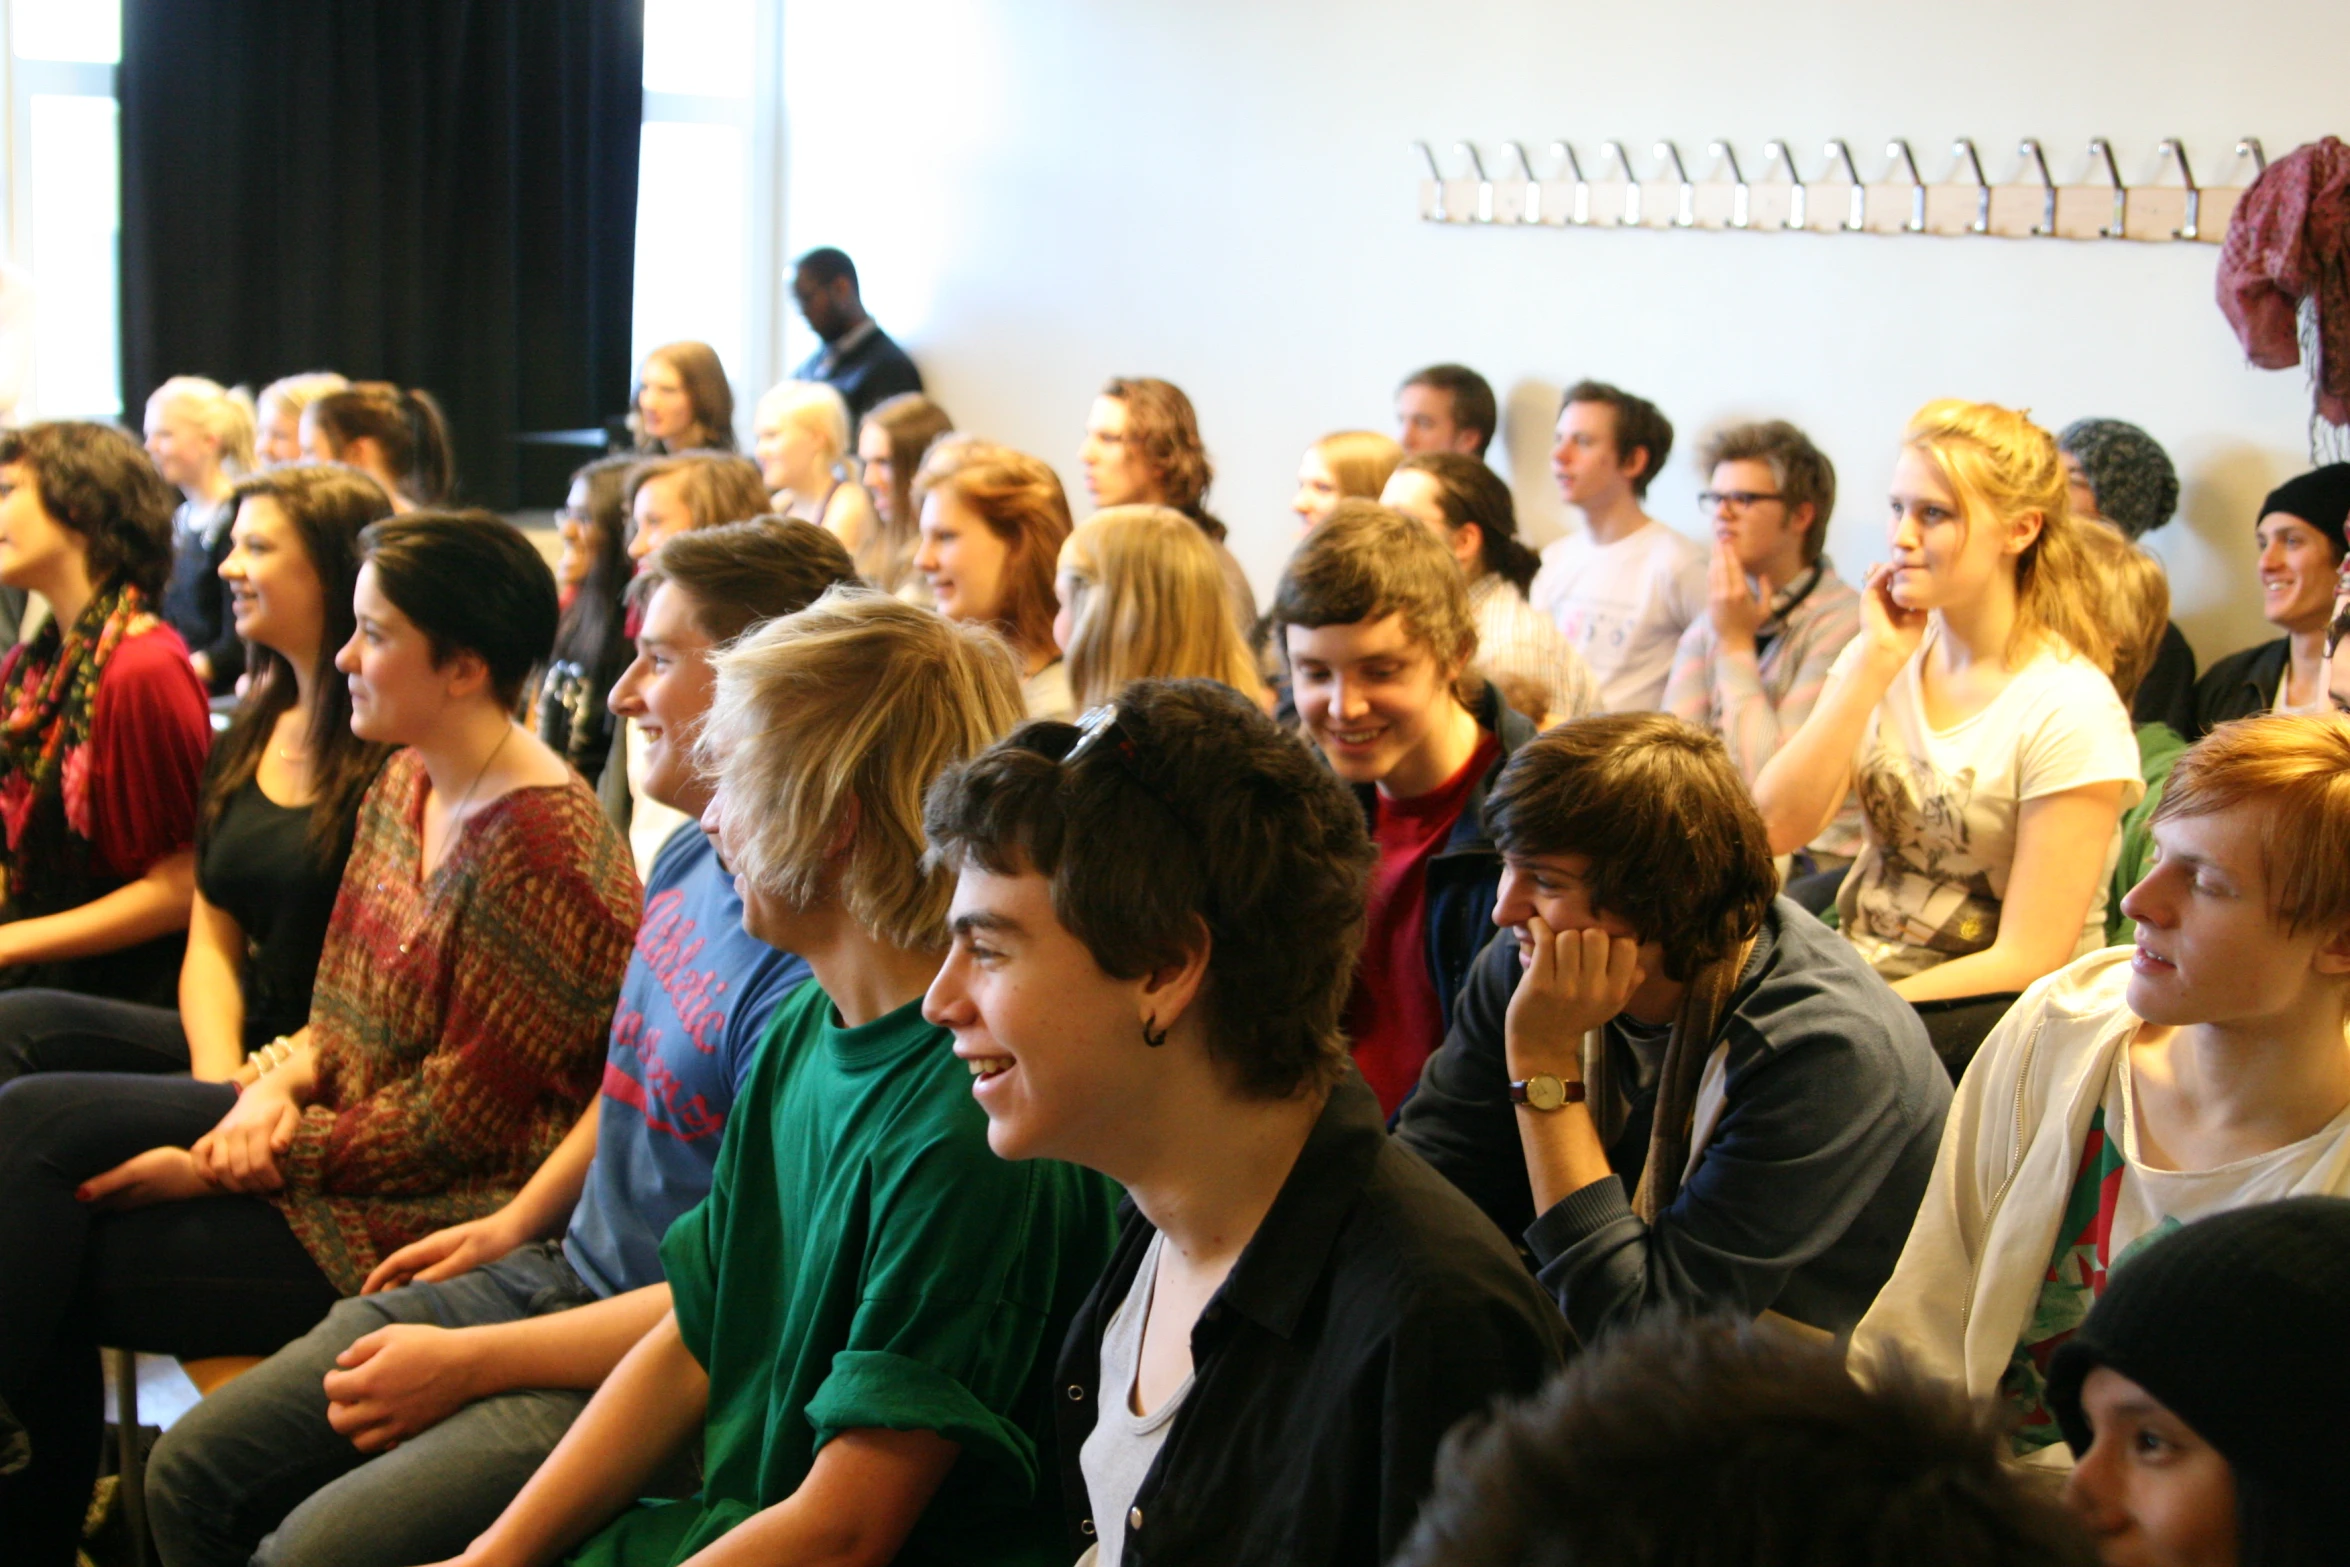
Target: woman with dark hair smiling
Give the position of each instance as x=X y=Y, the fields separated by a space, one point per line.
x=275 y=818
x=103 y=724
x=456 y=1030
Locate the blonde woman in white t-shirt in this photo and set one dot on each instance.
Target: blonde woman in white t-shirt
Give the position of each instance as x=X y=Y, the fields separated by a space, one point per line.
x=1975 y=716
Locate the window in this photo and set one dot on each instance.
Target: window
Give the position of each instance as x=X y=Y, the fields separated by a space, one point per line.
x=59 y=357
x=706 y=176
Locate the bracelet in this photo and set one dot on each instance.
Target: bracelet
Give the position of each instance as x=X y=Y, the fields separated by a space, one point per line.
x=272 y=1056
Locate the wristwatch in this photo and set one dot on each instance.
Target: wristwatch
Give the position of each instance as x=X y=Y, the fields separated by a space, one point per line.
x=1542 y=1091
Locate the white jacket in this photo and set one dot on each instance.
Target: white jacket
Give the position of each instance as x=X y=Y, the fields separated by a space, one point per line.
x=1970 y=1276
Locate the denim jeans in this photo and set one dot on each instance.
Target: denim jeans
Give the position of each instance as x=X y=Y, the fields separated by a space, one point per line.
x=255 y=1474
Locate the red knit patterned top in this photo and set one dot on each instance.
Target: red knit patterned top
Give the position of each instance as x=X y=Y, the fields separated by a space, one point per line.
x=459 y=1021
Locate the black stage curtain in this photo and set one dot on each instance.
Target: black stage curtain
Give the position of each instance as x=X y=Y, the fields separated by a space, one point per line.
x=439 y=193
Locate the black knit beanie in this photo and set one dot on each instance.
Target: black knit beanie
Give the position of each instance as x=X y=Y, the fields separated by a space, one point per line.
x=2240 y=1325
x=2320 y=497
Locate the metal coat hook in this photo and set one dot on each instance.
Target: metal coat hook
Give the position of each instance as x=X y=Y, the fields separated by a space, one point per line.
x=1517 y=199
x=1739 y=205
x=1573 y=204
x=1684 y=200
x=1627 y=213
x=2076 y=204
x=1431 y=188
x=1764 y=198
x=2157 y=211
x=2020 y=210
x=1891 y=207
x=1956 y=208
x=1855 y=201
x=1484 y=184
x=2249 y=147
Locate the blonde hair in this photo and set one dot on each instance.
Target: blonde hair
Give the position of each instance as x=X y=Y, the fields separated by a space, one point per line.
x=2296 y=768
x=1360 y=462
x=2000 y=465
x=1020 y=499
x=1153 y=605
x=716 y=487
x=225 y=416
x=812 y=405
x=844 y=714
x=2136 y=593
x=297 y=392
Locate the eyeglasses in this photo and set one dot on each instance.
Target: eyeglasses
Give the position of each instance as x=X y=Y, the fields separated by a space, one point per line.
x=1733 y=500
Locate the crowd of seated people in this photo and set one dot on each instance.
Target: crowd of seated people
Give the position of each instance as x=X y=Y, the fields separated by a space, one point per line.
x=862 y=1016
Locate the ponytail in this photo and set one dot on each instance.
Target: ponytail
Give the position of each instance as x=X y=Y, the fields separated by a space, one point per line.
x=406 y=425
x=432 y=468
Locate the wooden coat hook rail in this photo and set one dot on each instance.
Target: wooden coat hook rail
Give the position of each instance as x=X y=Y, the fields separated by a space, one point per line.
x=2029 y=204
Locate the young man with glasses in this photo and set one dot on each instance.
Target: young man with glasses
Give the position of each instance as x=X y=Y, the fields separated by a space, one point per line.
x=1752 y=667
x=1155 y=918
x=1623 y=587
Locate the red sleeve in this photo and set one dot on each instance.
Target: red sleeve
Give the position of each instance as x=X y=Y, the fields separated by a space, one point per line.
x=150 y=730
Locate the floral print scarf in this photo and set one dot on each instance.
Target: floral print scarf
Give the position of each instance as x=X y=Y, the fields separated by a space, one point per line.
x=48 y=689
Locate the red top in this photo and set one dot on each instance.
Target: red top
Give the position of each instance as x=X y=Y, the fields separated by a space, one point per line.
x=150 y=730
x=1395 y=1017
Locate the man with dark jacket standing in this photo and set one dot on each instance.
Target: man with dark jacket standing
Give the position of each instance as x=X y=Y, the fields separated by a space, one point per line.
x=858 y=360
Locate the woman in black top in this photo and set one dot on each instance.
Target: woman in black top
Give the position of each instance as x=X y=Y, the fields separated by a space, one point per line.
x=592 y=644
x=274 y=822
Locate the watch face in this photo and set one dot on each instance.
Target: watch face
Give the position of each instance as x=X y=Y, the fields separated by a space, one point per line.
x=1545 y=1092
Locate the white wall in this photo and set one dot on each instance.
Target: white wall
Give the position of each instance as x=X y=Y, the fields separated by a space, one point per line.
x=1042 y=193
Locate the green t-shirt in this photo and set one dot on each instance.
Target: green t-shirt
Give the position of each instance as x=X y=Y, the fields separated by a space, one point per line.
x=863 y=1260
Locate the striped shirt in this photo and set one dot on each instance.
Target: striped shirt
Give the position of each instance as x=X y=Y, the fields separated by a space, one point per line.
x=1754 y=702
x=1520 y=651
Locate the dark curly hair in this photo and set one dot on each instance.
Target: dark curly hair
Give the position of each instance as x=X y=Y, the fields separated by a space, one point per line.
x=97 y=481
x=1195 y=814
x=1677 y=849
x=1722 y=1443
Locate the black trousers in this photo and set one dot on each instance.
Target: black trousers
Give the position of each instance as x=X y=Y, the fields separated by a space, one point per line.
x=66 y=1031
x=213 y=1276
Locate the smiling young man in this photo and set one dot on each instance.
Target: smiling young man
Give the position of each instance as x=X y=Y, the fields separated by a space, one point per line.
x=2145 y=1087
x=862 y=1308
x=1376 y=626
x=1752 y=667
x=1679 y=1089
x=1624 y=586
x=396 y=1429
x=2301 y=541
x=1155 y=917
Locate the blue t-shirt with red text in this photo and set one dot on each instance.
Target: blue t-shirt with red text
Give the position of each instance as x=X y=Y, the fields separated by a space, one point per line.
x=693 y=1005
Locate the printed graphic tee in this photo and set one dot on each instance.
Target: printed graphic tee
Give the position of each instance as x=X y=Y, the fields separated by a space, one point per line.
x=693 y=1007
x=1940 y=805
x=1623 y=606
